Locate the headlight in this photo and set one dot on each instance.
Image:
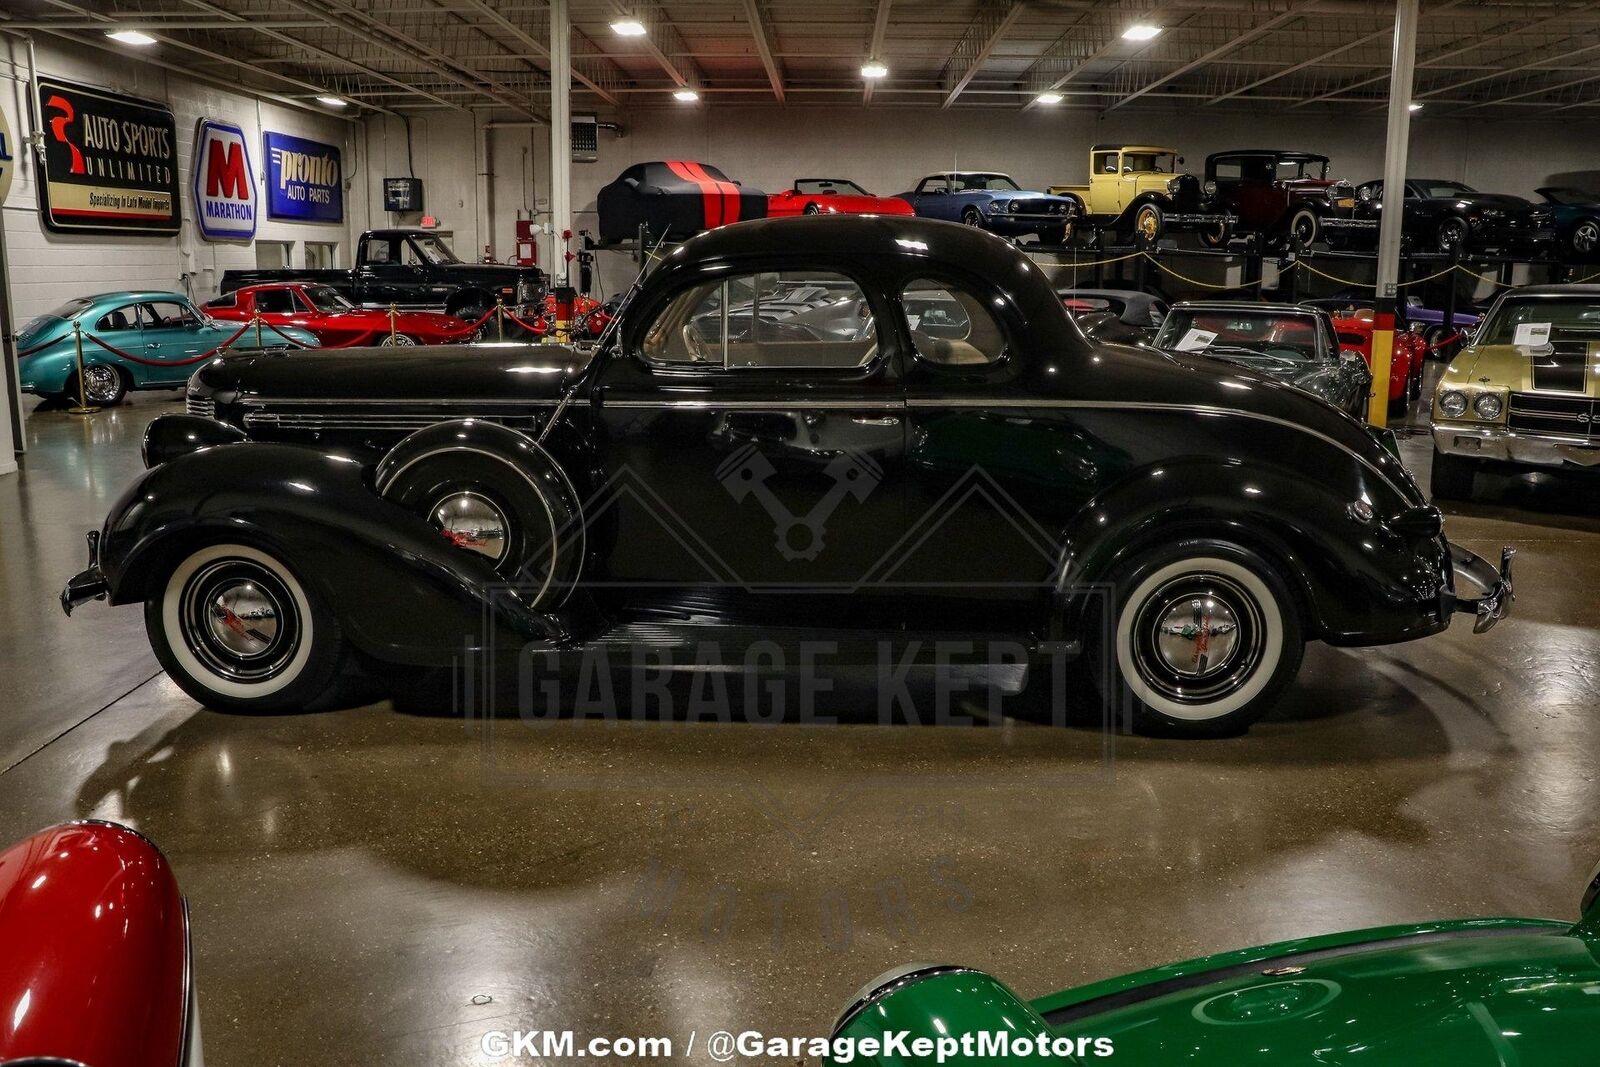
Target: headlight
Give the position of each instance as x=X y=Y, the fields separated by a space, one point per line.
x=527 y=291
x=1453 y=405
x=1175 y=184
x=1210 y=188
x=1488 y=406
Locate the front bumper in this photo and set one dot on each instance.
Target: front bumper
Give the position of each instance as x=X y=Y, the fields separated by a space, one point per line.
x=1501 y=445
x=89 y=583
x=1474 y=574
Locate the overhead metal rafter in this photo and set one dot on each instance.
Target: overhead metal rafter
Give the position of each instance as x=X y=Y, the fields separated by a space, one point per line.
x=1235 y=40
x=1093 y=37
x=972 y=51
x=663 y=43
x=758 y=30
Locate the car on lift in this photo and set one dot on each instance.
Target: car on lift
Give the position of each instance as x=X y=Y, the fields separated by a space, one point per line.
x=130 y=340
x=1179 y=525
x=1459 y=991
x=1293 y=343
x=1138 y=191
x=1524 y=394
x=1576 y=218
x=1446 y=216
x=991 y=201
x=411 y=267
x=832 y=196
x=673 y=200
x=1287 y=198
x=322 y=311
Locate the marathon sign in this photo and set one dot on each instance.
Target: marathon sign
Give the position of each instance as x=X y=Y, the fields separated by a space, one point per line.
x=110 y=161
x=304 y=179
x=224 y=184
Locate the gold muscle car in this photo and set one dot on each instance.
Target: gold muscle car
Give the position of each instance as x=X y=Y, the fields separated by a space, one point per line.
x=1524 y=393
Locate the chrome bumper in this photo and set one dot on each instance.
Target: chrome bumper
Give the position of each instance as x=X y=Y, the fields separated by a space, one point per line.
x=1474 y=573
x=1507 y=446
x=88 y=584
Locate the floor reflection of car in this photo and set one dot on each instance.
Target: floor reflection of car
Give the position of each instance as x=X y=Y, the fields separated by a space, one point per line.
x=1297 y=345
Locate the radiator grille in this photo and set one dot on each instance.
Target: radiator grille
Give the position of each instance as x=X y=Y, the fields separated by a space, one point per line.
x=1563 y=416
x=204 y=406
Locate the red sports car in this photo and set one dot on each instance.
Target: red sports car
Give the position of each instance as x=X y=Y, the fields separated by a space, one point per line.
x=833 y=196
x=335 y=321
x=1354 y=327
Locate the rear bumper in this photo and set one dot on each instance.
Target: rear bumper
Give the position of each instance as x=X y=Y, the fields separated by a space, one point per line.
x=1481 y=590
x=1500 y=445
x=89 y=583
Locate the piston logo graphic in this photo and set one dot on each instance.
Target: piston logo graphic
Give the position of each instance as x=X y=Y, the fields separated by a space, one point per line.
x=746 y=473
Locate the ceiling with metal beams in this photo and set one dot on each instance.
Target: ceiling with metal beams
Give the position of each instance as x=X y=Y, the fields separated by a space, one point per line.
x=1474 y=57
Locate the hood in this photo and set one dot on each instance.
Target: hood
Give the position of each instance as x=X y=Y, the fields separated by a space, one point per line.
x=1313 y=376
x=1563 y=367
x=1504 y=201
x=1493 y=999
x=425 y=373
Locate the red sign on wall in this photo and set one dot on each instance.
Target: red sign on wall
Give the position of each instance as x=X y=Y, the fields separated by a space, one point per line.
x=224 y=183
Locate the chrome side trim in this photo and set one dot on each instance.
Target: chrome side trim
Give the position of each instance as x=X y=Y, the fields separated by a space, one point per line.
x=786 y=404
x=887 y=983
x=416 y=402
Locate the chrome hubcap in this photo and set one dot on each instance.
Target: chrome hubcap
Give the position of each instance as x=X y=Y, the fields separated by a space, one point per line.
x=243 y=619
x=239 y=619
x=471 y=521
x=1197 y=638
x=101 y=382
x=397 y=339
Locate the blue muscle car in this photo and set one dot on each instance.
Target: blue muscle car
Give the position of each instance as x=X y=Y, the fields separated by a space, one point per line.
x=1577 y=221
x=993 y=202
x=131 y=340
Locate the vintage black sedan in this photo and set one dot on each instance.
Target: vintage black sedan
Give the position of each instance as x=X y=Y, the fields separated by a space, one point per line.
x=963 y=463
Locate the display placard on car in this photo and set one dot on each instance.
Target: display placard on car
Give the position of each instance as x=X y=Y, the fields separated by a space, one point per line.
x=110 y=161
x=304 y=179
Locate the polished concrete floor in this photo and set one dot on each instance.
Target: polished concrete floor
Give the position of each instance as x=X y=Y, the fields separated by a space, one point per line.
x=383 y=884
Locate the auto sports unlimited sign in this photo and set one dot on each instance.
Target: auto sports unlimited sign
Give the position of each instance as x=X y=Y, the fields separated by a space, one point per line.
x=110 y=161
x=304 y=179
x=224 y=183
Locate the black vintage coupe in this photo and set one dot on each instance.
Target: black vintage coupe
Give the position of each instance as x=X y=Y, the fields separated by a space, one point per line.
x=925 y=446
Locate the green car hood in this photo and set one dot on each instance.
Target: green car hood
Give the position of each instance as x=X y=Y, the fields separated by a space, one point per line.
x=1497 y=992
x=1522 y=369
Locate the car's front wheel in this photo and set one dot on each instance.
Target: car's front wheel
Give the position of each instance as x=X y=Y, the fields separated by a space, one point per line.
x=237 y=630
x=1303 y=229
x=1452 y=235
x=972 y=217
x=1149 y=222
x=1204 y=636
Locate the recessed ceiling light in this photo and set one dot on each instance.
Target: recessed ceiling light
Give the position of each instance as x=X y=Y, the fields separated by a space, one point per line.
x=1141 y=31
x=873 y=68
x=1416 y=107
x=628 y=28
x=687 y=95
x=134 y=37
x=1049 y=98
x=332 y=101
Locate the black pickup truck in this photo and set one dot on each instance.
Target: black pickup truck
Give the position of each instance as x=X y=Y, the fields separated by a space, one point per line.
x=412 y=268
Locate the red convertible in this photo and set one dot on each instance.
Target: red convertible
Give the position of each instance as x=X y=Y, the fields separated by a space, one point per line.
x=335 y=321
x=833 y=196
x=1354 y=325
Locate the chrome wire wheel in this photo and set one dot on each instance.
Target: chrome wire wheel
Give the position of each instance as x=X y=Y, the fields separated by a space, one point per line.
x=1147 y=223
x=396 y=339
x=239 y=620
x=102 y=384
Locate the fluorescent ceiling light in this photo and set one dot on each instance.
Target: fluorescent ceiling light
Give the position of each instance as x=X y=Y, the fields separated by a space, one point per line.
x=628 y=28
x=332 y=101
x=1049 y=98
x=873 y=68
x=688 y=96
x=1141 y=31
x=1416 y=107
x=134 y=37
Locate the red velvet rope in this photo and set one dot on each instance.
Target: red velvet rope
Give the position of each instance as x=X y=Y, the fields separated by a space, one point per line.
x=169 y=362
x=538 y=330
x=1452 y=339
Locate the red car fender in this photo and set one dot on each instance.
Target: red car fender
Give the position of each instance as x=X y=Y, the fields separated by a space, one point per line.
x=96 y=951
x=1400 y=358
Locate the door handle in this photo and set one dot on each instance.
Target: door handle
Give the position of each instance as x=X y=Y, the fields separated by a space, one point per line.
x=887 y=420
x=153 y=344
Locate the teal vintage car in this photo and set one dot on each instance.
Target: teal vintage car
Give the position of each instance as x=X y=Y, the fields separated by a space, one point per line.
x=131 y=340
x=1461 y=992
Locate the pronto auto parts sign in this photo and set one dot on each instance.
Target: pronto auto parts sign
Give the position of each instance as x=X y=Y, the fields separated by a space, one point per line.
x=110 y=161
x=224 y=183
x=304 y=179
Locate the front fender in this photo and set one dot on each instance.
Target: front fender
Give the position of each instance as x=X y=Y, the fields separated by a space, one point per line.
x=400 y=592
x=1358 y=582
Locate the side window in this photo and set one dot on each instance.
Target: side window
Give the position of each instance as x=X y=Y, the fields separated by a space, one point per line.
x=934 y=185
x=1105 y=162
x=1229 y=170
x=951 y=326
x=120 y=319
x=776 y=319
x=274 y=301
x=226 y=300
x=301 y=305
x=378 y=252
x=165 y=313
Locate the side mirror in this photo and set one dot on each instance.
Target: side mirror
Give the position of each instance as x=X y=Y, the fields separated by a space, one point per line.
x=1416 y=328
x=1350 y=355
x=1180 y=161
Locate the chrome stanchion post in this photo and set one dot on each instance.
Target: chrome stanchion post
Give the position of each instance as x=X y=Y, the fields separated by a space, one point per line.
x=393 y=313
x=83 y=407
x=255 y=317
x=500 y=318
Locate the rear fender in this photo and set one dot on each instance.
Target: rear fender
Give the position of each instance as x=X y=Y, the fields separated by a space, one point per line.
x=400 y=591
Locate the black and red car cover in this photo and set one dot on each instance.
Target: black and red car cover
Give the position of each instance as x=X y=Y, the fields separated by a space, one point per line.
x=677 y=198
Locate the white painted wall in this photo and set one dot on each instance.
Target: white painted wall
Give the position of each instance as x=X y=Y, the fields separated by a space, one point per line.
x=47 y=268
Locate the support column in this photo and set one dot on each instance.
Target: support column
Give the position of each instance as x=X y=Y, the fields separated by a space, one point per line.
x=1402 y=68
x=560 y=137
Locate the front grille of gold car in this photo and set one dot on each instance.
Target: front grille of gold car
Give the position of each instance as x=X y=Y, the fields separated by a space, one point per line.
x=1561 y=416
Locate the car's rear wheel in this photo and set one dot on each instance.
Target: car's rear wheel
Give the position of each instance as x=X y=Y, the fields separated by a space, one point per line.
x=1204 y=636
x=1585 y=239
x=812 y=209
x=1452 y=476
x=237 y=630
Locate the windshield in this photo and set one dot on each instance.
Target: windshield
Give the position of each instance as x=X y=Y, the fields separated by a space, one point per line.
x=826 y=186
x=1443 y=190
x=1570 y=196
x=435 y=251
x=1149 y=162
x=325 y=299
x=1536 y=321
x=996 y=182
x=1246 y=335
